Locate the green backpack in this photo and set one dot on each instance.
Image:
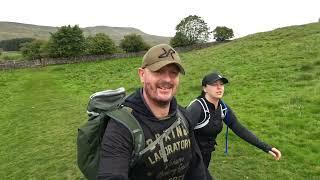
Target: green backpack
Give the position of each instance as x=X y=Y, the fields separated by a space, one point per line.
x=101 y=108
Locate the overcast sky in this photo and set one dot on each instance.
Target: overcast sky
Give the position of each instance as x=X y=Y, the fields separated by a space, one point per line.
x=160 y=17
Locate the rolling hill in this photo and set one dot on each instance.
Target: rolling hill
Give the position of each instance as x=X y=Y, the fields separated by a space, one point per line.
x=10 y=30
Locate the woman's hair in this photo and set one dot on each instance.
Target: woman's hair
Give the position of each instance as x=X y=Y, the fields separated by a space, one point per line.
x=203 y=93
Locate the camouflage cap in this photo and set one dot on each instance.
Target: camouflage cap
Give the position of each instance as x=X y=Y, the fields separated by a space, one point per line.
x=159 y=56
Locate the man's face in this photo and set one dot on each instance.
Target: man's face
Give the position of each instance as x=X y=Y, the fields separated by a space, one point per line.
x=160 y=86
x=215 y=90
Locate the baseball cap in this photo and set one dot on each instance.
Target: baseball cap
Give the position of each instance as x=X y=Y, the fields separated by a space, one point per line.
x=213 y=77
x=159 y=56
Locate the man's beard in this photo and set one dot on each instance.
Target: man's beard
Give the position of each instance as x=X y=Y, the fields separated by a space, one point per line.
x=149 y=89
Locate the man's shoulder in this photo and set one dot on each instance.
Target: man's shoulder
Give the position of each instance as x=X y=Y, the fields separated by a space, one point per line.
x=116 y=128
x=186 y=116
x=183 y=110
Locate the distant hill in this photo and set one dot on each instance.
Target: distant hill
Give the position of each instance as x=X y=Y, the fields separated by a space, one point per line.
x=10 y=30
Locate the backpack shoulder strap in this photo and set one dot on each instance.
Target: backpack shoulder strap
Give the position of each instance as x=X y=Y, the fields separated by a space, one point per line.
x=224 y=111
x=184 y=121
x=123 y=115
x=206 y=111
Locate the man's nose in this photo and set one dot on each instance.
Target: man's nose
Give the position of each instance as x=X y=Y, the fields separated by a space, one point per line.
x=165 y=75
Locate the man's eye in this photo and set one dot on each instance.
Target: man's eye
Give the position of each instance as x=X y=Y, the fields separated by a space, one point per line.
x=175 y=73
x=157 y=72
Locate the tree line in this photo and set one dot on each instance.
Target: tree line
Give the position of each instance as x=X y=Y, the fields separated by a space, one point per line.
x=69 y=41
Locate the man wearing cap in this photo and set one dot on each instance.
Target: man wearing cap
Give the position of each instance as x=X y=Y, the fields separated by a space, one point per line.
x=208 y=111
x=177 y=155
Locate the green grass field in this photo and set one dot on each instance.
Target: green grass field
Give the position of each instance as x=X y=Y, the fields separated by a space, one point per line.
x=10 y=55
x=274 y=89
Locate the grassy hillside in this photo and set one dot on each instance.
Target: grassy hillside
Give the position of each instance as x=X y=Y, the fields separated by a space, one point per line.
x=10 y=30
x=274 y=89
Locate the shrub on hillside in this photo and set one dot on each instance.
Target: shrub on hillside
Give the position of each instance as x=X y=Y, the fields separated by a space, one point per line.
x=179 y=40
x=100 y=44
x=66 y=42
x=33 y=50
x=133 y=43
x=222 y=33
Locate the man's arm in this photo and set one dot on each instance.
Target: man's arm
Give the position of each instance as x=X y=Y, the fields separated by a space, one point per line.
x=196 y=170
x=115 y=153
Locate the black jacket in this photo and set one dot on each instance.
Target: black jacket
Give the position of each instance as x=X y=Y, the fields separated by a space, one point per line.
x=206 y=136
x=184 y=156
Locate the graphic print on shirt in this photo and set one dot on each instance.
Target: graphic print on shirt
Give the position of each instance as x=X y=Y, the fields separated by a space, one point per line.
x=174 y=157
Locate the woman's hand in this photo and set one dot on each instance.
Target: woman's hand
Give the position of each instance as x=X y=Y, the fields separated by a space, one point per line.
x=275 y=153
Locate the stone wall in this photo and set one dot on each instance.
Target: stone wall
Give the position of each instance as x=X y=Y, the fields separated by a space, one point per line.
x=46 y=62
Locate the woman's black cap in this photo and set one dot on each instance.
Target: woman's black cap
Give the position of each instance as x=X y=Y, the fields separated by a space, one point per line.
x=213 y=77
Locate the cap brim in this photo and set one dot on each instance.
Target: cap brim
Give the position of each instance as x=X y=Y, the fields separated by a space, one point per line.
x=158 y=65
x=224 y=80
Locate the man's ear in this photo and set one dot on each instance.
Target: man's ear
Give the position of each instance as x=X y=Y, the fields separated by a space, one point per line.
x=141 y=74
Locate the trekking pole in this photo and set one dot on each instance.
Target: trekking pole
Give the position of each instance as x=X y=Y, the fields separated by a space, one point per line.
x=226 y=148
x=227 y=121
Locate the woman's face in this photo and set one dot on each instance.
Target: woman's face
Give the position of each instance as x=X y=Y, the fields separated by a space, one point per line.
x=214 y=90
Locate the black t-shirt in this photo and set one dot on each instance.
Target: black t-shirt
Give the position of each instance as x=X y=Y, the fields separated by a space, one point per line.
x=183 y=158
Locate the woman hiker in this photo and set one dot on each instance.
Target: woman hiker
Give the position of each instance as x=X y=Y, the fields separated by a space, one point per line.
x=208 y=111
